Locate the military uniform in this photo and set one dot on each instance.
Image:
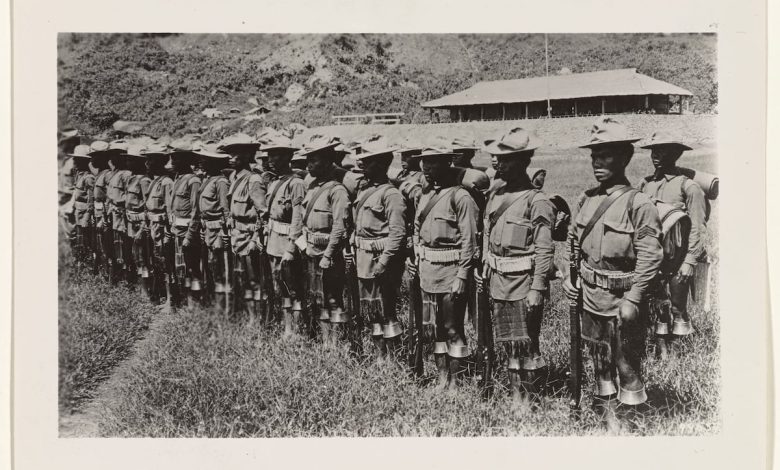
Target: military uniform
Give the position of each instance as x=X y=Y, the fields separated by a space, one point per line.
x=116 y=198
x=380 y=238
x=157 y=204
x=83 y=209
x=184 y=226
x=518 y=253
x=137 y=231
x=326 y=215
x=679 y=191
x=104 y=245
x=248 y=208
x=285 y=217
x=618 y=261
x=213 y=207
x=445 y=244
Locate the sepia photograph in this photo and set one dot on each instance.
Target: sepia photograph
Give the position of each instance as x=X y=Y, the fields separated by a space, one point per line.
x=388 y=235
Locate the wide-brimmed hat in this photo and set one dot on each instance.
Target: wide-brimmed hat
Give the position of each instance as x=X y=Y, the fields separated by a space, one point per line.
x=298 y=156
x=607 y=130
x=99 y=149
x=157 y=150
x=374 y=147
x=463 y=143
x=516 y=140
x=119 y=145
x=663 y=138
x=68 y=134
x=319 y=143
x=135 y=151
x=183 y=147
x=211 y=153
x=275 y=141
x=238 y=142
x=437 y=152
x=81 y=151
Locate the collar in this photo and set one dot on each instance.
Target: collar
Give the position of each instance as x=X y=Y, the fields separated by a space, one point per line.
x=618 y=184
x=667 y=175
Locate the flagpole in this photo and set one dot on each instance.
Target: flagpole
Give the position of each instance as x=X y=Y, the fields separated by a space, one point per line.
x=547 y=75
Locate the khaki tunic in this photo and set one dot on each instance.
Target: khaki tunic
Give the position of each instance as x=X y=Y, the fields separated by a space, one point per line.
x=382 y=216
x=286 y=208
x=623 y=240
x=135 y=203
x=157 y=203
x=117 y=194
x=213 y=208
x=326 y=227
x=452 y=224
x=514 y=235
x=101 y=194
x=681 y=192
x=83 y=198
x=248 y=208
x=184 y=207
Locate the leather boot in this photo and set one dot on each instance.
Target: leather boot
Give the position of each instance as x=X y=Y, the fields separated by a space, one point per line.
x=606 y=410
x=444 y=372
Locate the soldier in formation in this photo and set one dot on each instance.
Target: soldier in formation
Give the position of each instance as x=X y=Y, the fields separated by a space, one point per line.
x=255 y=222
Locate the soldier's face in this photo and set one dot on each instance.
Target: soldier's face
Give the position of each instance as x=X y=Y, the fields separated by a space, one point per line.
x=511 y=167
x=434 y=168
x=279 y=159
x=664 y=156
x=405 y=162
x=494 y=162
x=374 y=168
x=240 y=159
x=319 y=165
x=607 y=164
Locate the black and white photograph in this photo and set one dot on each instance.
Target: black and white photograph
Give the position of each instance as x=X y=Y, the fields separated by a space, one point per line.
x=388 y=235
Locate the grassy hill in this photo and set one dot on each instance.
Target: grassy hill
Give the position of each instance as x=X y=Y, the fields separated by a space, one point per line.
x=167 y=80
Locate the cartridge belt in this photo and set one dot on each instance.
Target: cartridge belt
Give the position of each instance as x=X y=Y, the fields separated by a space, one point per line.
x=160 y=217
x=371 y=245
x=281 y=228
x=510 y=264
x=213 y=224
x=136 y=216
x=317 y=239
x=181 y=221
x=611 y=280
x=439 y=255
x=81 y=206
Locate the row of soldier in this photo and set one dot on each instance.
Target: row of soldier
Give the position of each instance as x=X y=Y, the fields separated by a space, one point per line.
x=210 y=223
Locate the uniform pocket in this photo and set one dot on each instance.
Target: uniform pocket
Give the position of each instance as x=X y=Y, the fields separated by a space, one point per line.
x=517 y=234
x=444 y=228
x=618 y=240
x=320 y=220
x=373 y=218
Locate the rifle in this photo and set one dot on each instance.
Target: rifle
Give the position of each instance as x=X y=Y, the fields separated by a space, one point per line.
x=485 y=345
x=226 y=259
x=417 y=337
x=353 y=293
x=575 y=351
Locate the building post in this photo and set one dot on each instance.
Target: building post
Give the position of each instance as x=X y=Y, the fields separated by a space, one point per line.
x=575 y=108
x=460 y=114
x=603 y=106
x=526 y=110
x=647 y=101
x=503 y=111
x=687 y=104
x=481 y=113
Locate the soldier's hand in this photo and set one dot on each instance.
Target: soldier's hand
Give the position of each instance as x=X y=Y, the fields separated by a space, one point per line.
x=686 y=273
x=349 y=258
x=628 y=311
x=458 y=287
x=534 y=299
x=186 y=243
x=379 y=269
x=287 y=257
x=411 y=266
x=325 y=263
x=571 y=292
x=478 y=279
x=225 y=239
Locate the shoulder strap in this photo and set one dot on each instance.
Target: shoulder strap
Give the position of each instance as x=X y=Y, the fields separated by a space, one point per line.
x=509 y=202
x=602 y=208
x=433 y=201
x=315 y=198
x=282 y=181
x=370 y=192
x=238 y=182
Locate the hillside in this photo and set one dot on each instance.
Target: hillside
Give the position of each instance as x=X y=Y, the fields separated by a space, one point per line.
x=168 y=80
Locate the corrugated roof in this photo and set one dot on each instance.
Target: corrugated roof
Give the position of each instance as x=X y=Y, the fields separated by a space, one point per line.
x=622 y=82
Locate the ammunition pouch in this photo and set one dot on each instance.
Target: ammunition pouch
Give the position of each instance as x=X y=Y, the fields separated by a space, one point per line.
x=370 y=245
x=278 y=227
x=438 y=255
x=318 y=240
x=159 y=217
x=510 y=264
x=136 y=216
x=610 y=280
x=215 y=224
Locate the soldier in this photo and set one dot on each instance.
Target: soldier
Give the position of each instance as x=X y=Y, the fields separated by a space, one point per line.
x=157 y=209
x=213 y=208
x=104 y=247
x=135 y=206
x=325 y=220
x=445 y=242
x=298 y=164
x=518 y=249
x=465 y=149
x=183 y=216
x=285 y=215
x=116 y=195
x=617 y=232
x=83 y=204
x=69 y=139
x=669 y=185
x=248 y=209
x=379 y=240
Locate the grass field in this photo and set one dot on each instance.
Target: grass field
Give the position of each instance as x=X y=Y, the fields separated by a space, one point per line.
x=196 y=374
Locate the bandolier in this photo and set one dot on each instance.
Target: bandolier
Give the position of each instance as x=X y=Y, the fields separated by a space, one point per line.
x=83 y=205
x=116 y=196
x=325 y=221
x=445 y=243
x=616 y=236
x=157 y=204
x=183 y=217
x=135 y=206
x=518 y=254
x=285 y=217
x=669 y=185
x=379 y=240
x=213 y=207
x=248 y=209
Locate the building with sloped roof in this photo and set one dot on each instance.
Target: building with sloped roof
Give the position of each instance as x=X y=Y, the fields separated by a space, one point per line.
x=578 y=94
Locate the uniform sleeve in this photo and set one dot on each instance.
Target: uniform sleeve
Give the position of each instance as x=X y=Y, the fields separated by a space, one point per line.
x=339 y=203
x=222 y=195
x=193 y=229
x=396 y=221
x=647 y=246
x=297 y=194
x=167 y=185
x=416 y=222
x=542 y=216
x=89 y=187
x=467 y=225
x=697 y=207
x=146 y=183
